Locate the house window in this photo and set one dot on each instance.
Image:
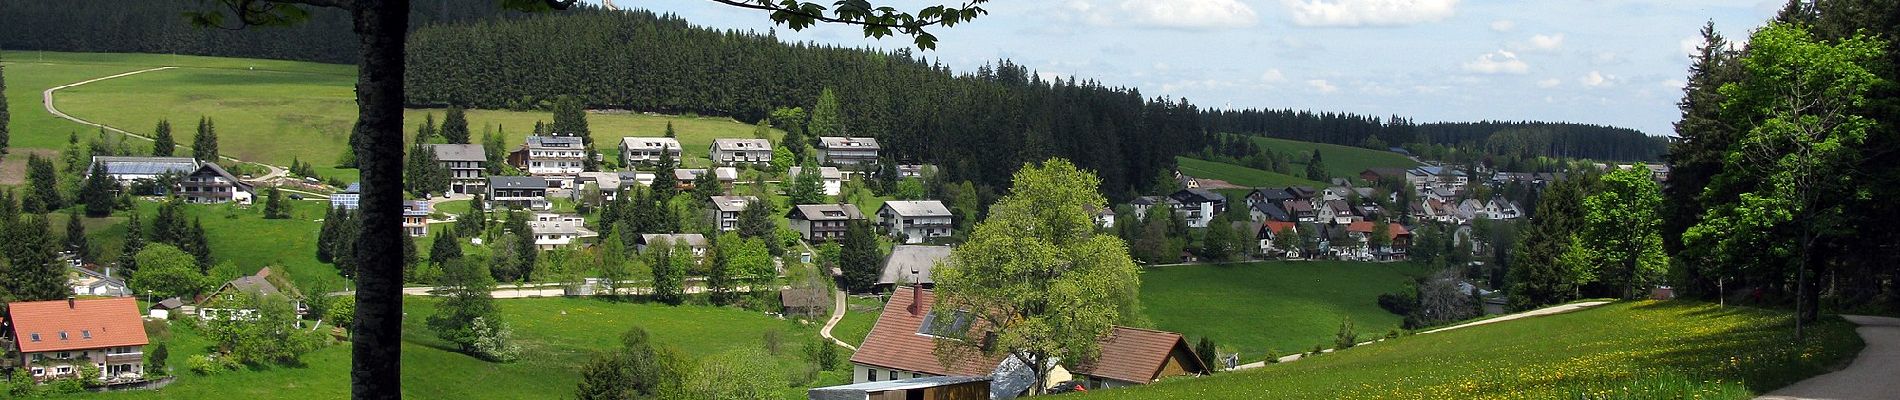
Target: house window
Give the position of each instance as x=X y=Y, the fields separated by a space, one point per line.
x=36 y=337
x=85 y=334
x=892 y=375
x=870 y=374
x=39 y=372
x=62 y=335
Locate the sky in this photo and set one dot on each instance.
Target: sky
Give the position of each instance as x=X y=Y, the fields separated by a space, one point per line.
x=1608 y=62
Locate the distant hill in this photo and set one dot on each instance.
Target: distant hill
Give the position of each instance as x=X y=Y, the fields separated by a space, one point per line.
x=1526 y=139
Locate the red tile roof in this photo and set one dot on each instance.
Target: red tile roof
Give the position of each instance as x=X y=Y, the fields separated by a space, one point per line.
x=1137 y=355
x=1278 y=226
x=1398 y=230
x=1360 y=227
x=86 y=324
x=894 y=342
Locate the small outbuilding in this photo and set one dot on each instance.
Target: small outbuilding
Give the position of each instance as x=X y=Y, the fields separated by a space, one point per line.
x=934 y=388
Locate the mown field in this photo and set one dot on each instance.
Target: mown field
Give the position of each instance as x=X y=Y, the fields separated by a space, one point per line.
x=1281 y=306
x=556 y=335
x=265 y=110
x=1628 y=350
x=1341 y=161
x=1239 y=175
x=860 y=315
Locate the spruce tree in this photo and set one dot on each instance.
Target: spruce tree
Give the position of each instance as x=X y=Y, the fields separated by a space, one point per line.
x=326 y=235
x=275 y=207
x=447 y=246
x=455 y=126
x=134 y=242
x=162 y=143
x=36 y=273
x=204 y=146
x=97 y=192
x=669 y=130
x=42 y=194
x=570 y=119
x=706 y=185
x=473 y=222
x=524 y=241
x=859 y=261
x=668 y=278
x=826 y=119
x=665 y=184
x=76 y=238
x=196 y=243
x=1316 y=169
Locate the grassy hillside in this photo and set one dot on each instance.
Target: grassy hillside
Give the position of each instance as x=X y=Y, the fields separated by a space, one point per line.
x=1283 y=306
x=269 y=111
x=1341 y=161
x=1634 y=350
x=556 y=336
x=1239 y=175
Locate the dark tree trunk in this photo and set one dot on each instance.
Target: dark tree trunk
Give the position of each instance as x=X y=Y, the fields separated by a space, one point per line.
x=376 y=363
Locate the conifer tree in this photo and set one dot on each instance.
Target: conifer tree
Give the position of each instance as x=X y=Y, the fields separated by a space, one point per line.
x=455 y=126
x=706 y=185
x=473 y=222
x=76 y=238
x=134 y=242
x=204 y=146
x=35 y=273
x=275 y=206
x=1316 y=169
x=42 y=193
x=447 y=246
x=860 y=257
x=826 y=119
x=665 y=184
x=199 y=245
x=5 y=134
x=326 y=235
x=669 y=130
x=162 y=143
x=97 y=192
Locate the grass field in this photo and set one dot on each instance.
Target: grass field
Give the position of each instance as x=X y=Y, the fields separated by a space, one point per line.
x=861 y=314
x=1341 y=161
x=1281 y=306
x=268 y=111
x=556 y=336
x=1630 y=350
x=1239 y=175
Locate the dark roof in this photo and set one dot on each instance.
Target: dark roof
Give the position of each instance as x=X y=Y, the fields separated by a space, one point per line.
x=1194 y=196
x=168 y=304
x=1272 y=211
x=825 y=212
x=553 y=142
x=58 y=325
x=214 y=169
x=804 y=298
x=517 y=182
x=907 y=258
x=1385 y=172
x=1137 y=355
x=1271 y=194
x=459 y=152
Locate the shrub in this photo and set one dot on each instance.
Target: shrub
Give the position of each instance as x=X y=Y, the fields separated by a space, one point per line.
x=206 y=364
x=1318 y=348
x=774 y=341
x=494 y=342
x=1346 y=338
x=1273 y=356
x=822 y=353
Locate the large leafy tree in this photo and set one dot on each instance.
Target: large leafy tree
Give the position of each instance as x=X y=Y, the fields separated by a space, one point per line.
x=807 y=187
x=168 y=272
x=382 y=29
x=1622 y=231
x=1797 y=162
x=464 y=288
x=1038 y=274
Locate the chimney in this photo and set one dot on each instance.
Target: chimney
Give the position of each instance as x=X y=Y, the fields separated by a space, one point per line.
x=72 y=302
x=916 y=294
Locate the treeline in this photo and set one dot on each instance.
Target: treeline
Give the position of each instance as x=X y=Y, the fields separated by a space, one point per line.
x=160 y=27
x=1523 y=139
x=980 y=126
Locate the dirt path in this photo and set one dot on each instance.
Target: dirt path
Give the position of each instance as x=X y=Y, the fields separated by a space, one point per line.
x=46 y=98
x=1873 y=375
x=837 y=314
x=1559 y=309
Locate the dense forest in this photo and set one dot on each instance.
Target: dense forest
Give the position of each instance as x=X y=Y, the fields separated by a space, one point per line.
x=117 y=26
x=1496 y=138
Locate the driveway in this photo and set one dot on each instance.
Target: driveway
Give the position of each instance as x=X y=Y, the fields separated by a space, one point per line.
x=1875 y=373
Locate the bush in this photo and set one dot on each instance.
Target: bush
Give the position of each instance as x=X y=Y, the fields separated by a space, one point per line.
x=206 y=364
x=822 y=353
x=494 y=342
x=1273 y=356
x=66 y=386
x=1346 y=338
x=1317 y=349
x=774 y=340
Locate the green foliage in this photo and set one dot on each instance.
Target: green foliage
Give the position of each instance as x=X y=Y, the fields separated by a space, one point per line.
x=33 y=273
x=911 y=188
x=1040 y=247
x=570 y=119
x=455 y=126
x=1347 y=337
x=859 y=256
x=1621 y=231
x=825 y=116
x=669 y=275
x=1207 y=351
x=204 y=145
x=1235 y=174
x=97 y=192
x=42 y=192
x=5 y=131
x=1546 y=269
x=807 y=187
x=275 y=206
x=423 y=174
x=272 y=335
x=76 y=241
x=467 y=317
x=168 y=272
x=1316 y=168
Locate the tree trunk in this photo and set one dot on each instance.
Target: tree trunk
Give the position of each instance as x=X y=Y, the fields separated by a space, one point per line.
x=376 y=362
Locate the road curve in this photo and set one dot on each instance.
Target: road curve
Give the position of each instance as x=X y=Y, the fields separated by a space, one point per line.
x=1872 y=374
x=46 y=99
x=837 y=314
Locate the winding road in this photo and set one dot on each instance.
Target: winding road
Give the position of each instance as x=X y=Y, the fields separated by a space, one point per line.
x=1871 y=376
x=837 y=314
x=46 y=98
x=1557 y=309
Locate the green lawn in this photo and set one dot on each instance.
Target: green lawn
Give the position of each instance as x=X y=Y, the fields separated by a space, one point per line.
x=1282 y=306
x=1341 y=161
x=1630 y=350
x=861 y=315
x=269 y=111
x=556 y=336
x=1239 y=175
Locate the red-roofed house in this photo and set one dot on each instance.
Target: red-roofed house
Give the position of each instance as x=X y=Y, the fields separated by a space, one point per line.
x=901 y=345
x=55 y=337
x=1270 y=231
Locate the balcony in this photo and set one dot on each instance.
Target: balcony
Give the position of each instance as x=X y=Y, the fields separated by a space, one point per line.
x=120 y=358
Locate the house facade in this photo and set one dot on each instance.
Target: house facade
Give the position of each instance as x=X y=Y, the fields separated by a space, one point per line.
x=54 y=338
x=527 y=192
x=349 y=198
x=832 y=178
x=815 y=222
x=467 y=165
x=847 y=151
x=1198 y=206
x=233 y=299
x=915 y=220
x=694 y=241
x=723 y=211
x=554 y=157
x=553 y=231
x=647 y=150
x=415 y=218
x=210 y=184
x=741 y=151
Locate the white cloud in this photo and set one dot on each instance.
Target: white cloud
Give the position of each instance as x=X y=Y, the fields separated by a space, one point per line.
x=1498 y=62
x=1546 y=42
x=1503 y=25
x=1549 y=83
x=1690 y=44
x=1272 y=76
x=1350 y=13
x=1177 y=14
x=1320 y=85
x=1674 y=84
x=1596 y=79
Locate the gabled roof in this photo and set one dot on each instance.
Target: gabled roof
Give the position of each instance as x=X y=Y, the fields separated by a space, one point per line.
x=1278 y=227
x=907 y=258
x=827 y=173
x=649 y=143
x=804 y=297
x=834 y=142
x=1272 y=211
x=263 y=283
x=553 y=142
x=459 y=152
x=741 y=144
x=60 y=325
x=916 y=208
x=689 y=239
x=1271 y=194
x=825 y=212
x=1137 y=355
x=894 y=341
x=517 y=182
x=723 y=174
x=146 y=165
x=1360 y=227
x=1195 y=196
x=731 y=203
x=214 y=169
x=1339 y=207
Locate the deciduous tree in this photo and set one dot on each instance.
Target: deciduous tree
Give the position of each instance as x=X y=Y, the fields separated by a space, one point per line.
x=168 y=272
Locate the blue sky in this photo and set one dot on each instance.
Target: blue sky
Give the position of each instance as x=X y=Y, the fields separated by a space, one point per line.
x=1613 y=62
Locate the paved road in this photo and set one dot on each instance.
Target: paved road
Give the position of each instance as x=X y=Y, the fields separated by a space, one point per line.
x=46 y=98
x=1559 y=309
x=1875 y=373
x=837 y=314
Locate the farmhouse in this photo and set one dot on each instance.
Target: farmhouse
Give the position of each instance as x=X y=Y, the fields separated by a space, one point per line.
x=934 y=388
x=467 y=165
x=519 y=192
x=832 y=178
x=909 y=264
x=741 y=151
x=234 y=299
x=647 y=150
x=724 y=211
x=554 y=157
x=694 y=241
x=53 y=338
x=1270 y=231
x=816 y=222
x=915 y=220
x=130 y=170
x=210 y=184
x=847 y=151
x=1135 y=356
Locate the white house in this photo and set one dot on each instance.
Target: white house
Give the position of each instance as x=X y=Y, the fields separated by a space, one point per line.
x=647 y=150
x=847 y=151
x=1198 y=206
x=553 y=231
x=54 y=338
x=915 y=220
x=518 y=191
x=555 y=157
x=695 y=241
x=724 y=211
x=833 y=179
x=467 y=165
x=741 y=151
x=210 y=183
